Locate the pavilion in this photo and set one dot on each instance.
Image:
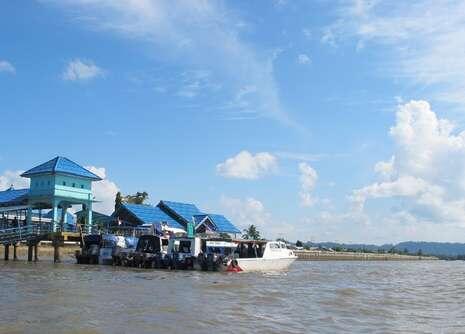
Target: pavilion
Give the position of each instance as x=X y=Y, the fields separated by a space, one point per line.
x=56 y=184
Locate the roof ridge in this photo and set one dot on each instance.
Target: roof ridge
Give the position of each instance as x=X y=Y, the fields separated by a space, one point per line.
x=54 y=168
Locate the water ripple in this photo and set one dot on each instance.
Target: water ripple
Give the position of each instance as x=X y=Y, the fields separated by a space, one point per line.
x=313 y=297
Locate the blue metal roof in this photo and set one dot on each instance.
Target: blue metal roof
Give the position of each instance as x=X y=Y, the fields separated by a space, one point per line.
x=221 y=223
x=13 y=196
x=61 y=165
x=183 y=210
x=198 y=219
x=149 y=214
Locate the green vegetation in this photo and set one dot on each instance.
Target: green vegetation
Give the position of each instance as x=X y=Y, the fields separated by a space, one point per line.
x=137 y=198
x=251 y=233
x=118 y=200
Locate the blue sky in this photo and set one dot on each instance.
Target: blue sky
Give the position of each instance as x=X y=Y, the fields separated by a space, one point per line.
x=315 y=120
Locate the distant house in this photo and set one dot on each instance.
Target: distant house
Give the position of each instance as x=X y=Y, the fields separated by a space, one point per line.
x=173 y=216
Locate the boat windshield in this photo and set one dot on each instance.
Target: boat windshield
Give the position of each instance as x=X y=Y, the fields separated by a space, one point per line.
x=250 y=250
x=220 y=250
x=184 y=246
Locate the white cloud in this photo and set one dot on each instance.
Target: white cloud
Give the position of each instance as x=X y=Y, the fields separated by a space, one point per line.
x=104 y=191
x=308 y=178
x=328 y=37
x=303 y=59
x=194 y=34
x=7 y=67
x=248 y=211
x=247 y=166
x=196 y=82
x=307 y=33
x=425 y=40
x=385 y=168
x=427 y=168
x=79 y=70
x=9 y=178
x=245 y=212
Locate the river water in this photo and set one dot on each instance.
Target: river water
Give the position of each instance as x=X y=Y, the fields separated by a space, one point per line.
x=312 y=297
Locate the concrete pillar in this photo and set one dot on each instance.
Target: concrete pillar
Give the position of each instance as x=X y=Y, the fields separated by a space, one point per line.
x=63 y=217
x=29 y=216
x=36 y=254
x=15 y=254
x=55 y=216
x=7 y=252
x=89 y=217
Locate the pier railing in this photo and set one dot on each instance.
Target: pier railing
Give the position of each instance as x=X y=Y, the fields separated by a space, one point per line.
x=13 y=235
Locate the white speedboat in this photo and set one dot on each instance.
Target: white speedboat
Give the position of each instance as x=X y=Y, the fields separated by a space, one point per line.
x=258 y=255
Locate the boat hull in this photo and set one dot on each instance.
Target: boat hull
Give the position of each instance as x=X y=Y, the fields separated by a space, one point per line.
x=261 y=264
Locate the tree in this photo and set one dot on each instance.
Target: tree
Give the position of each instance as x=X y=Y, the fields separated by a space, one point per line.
x=251 y=233
x=138 y=198
x=299 y=243
x=118 y=200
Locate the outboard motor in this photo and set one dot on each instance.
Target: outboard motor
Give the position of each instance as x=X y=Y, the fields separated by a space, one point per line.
x=214 y=261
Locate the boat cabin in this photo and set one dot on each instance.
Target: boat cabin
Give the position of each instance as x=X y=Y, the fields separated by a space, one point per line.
x=220 y=247
x=185 y=246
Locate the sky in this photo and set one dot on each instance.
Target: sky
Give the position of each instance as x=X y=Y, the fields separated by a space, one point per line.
x=314 y=120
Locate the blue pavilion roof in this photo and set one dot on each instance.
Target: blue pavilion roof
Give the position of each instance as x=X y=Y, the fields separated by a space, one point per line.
x=149 y=214
x=176 y=214
x=13 y=196
x=222 y=224
x=61 y=165
x=183 y=210
x=198 y=219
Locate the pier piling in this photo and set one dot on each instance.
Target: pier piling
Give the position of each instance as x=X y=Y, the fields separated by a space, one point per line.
x=29 y=252
x=15 y=254
x=57 y=242
x=7 y=252
x=56 y=253
x=36 y=255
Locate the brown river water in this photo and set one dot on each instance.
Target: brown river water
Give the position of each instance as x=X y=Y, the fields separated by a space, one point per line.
x=312 y=297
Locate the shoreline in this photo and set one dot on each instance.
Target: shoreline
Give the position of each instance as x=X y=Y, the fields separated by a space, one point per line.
x=68 y=252
x=352 y=256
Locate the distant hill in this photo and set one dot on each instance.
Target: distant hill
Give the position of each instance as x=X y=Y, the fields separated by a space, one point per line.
x=412 y=247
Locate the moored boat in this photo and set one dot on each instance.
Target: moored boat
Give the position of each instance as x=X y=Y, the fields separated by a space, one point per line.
x=260 y=255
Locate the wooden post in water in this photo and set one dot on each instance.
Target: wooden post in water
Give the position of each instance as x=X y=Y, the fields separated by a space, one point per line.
x=56 y=253
x=15 y=255
x=56 y=248
x=29 y=252
x=7 y=252
x=36 y=249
